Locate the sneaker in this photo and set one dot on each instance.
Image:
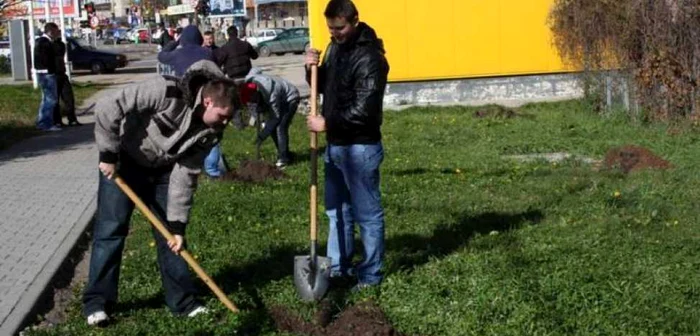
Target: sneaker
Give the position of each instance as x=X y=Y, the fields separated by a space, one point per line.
x=74 y=123
x=98 y=318
x=281 y=164
x=198 y=311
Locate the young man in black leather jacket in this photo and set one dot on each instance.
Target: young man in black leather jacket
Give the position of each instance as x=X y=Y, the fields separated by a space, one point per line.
x=352 y=79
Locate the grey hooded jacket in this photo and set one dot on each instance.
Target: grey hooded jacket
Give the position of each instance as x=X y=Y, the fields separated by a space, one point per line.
x=150 y=122
x=276 y=92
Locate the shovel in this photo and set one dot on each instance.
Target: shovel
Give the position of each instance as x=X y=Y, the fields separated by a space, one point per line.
x=185 y=255
x=311 y=272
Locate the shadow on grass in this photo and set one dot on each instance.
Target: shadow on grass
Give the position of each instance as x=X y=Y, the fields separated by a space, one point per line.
x=412 y=250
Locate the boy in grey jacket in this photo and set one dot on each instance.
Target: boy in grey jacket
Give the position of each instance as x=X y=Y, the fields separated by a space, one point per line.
x=279 y=100
x=155 y=135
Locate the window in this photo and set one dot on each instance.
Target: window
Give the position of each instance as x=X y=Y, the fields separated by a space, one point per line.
x=270 y=34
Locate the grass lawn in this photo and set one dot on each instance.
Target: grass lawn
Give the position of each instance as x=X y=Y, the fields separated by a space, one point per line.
x=18 y=110
x=476 y=244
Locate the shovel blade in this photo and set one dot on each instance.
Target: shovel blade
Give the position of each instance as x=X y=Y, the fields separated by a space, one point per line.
x=311 y=277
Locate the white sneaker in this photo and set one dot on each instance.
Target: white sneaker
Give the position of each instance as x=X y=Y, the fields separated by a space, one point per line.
x=198 y=311
x=98 y=318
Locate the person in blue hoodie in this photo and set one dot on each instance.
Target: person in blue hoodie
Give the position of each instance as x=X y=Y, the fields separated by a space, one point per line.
x=185 y=51
x=179 y=54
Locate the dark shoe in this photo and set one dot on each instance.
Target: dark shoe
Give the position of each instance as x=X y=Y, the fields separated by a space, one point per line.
x=342 y=282
x=74 y=123
x=60 y=124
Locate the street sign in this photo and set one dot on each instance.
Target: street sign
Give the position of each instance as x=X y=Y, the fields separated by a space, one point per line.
x=94 y=21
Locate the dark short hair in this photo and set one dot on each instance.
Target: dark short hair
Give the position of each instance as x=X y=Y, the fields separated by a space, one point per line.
x=49 y=27
x=222 y=93
x=161 y=25
x=208 y=32
x=178 y=30
x=232 y=32
x=341 y=9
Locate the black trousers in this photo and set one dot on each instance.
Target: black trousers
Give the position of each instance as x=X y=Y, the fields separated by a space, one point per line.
x=65 y=97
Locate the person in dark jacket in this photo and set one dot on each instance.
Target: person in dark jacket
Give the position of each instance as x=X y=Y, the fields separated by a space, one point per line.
x=185 y=51
x=209 y=41
x=352 y=79
x=164 y=38
x=235 y=55
x=64 y=88
x=45 y=68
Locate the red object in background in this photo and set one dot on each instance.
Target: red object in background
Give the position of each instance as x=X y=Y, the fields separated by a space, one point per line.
x=246 y=91
x=143 y=36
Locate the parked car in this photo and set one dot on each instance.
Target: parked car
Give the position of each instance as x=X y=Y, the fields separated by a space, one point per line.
x=294 y=40
x=86 y=57
x=264 y=35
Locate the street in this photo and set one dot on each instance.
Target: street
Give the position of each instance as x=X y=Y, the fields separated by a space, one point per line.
x=143 y=60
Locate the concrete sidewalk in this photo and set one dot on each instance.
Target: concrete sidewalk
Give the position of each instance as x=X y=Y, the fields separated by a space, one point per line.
x=49 y=186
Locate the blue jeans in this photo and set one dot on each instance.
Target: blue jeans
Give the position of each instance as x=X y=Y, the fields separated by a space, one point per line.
x=352 y=196
x=110 y=229
x=213 y=163
x=49 y=97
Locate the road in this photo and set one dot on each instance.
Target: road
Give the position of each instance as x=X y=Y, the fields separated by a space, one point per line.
x=142 y=65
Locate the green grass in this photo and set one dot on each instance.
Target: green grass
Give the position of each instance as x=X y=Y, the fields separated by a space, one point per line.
x=476 y=244
x=19 y=107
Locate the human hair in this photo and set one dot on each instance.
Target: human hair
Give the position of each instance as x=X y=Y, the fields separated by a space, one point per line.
x=178 y=31
x=232 y=32
x=341 y=9
x=222 y=93
x=50 y=27
x=208 y=33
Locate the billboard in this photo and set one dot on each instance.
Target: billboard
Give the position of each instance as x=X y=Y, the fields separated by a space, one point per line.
x=21 y=10
x=220 y=8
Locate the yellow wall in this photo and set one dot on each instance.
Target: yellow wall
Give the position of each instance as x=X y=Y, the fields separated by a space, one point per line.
x=440 y=39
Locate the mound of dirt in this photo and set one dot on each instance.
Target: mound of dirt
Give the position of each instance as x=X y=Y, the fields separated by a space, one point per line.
x=365 y=319
x=632 y=158
x=255 y=172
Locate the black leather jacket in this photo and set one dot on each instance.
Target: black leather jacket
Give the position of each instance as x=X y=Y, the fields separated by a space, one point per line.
x=352 y=79
x=235 y=57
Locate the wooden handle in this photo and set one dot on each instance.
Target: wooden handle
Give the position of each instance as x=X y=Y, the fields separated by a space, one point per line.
x=185 y=255
x=314 y=156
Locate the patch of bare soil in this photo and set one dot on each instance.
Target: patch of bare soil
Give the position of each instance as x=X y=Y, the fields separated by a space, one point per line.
x=363 y=319
x=632 y=158
x=254 y=171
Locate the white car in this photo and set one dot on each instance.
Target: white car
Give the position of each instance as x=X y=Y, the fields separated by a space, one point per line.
x=263 y=35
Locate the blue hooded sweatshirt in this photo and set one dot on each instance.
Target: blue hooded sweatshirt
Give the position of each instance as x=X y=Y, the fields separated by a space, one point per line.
x=185 y=52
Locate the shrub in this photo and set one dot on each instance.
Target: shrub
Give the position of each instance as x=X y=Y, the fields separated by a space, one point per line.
x=653 y=43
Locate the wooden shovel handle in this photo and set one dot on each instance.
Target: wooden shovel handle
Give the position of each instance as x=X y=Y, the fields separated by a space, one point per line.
x=185 y=255
x=314 y=156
